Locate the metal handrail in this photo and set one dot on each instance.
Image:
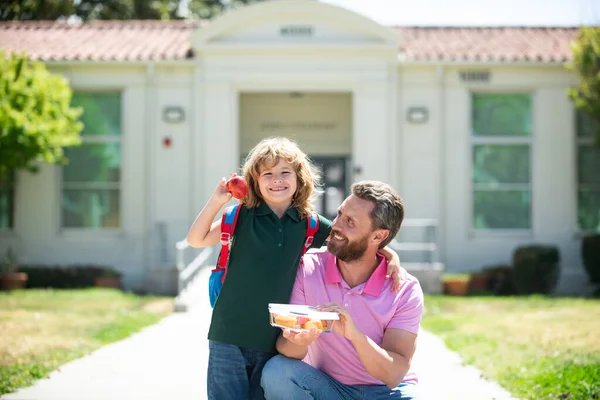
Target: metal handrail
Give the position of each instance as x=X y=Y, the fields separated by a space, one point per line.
x=187 y=272
x=420 y=222
x=428 y=246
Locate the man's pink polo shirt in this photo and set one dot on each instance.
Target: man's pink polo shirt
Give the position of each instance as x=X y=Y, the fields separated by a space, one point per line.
x=373 y=306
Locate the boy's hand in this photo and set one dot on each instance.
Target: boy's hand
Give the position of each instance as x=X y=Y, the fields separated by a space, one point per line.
x=396 y=272
x=302 y=338
x=221 y=193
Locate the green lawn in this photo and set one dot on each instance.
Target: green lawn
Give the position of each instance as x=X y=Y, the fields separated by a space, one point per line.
x=42 y=329
x=535 y=347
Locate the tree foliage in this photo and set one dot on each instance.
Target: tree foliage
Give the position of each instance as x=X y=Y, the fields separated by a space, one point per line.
x=24 y=10
x=206 y=9
x=86 y=10
x=586 y=63
x=36 y=117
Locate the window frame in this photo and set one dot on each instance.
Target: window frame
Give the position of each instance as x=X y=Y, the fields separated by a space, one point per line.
x=506 y=141
x=588 y=141
x=11 y=229
x=76 y=232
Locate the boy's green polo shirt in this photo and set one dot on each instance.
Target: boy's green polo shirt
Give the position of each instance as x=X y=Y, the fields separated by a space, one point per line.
x=265 y=255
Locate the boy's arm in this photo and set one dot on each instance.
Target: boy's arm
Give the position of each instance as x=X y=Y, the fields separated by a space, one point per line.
x=204 y=232
x=323 y=232
x=288 y=343
x=394 y=269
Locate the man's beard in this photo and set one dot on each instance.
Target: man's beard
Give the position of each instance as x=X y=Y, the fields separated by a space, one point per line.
x=348 y=251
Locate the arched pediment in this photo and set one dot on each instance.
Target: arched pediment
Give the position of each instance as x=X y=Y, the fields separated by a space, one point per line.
x=293 y=22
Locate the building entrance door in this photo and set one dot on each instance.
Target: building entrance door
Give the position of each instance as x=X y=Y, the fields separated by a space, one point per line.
x=319 y=122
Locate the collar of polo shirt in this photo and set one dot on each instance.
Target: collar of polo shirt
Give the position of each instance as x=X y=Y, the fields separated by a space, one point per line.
x=263 y=209
x=372 y=287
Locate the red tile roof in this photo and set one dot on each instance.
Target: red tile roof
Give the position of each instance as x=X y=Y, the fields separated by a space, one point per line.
x=498 y=44
x=99 y=40
x=170 y=40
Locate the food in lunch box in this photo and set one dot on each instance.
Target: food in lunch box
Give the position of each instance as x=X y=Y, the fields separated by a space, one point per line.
x=286 y=320
x=301 y=317
x=299 y=322
x=321 y=325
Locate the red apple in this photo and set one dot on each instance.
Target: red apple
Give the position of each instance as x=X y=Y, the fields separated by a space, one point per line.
x=237 y=186
x=302 y=320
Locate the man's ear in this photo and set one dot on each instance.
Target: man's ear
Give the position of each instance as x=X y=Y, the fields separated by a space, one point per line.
x=380 y=235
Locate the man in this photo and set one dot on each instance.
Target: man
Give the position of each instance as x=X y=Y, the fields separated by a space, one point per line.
x=369 y=352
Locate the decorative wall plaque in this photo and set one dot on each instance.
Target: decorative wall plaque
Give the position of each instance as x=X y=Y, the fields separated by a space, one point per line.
x=473 y=76
x=296 y=31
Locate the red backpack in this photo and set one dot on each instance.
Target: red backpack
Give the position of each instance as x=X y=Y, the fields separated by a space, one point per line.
x=228 y=221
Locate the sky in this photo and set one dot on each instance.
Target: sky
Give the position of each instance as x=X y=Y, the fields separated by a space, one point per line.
x=477 y=12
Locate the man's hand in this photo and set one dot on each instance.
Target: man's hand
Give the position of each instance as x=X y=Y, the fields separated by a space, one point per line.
x=302 y=338
x=345 y=326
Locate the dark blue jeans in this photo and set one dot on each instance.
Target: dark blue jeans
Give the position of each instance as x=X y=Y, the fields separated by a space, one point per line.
x=289 y=379
x=234 y=372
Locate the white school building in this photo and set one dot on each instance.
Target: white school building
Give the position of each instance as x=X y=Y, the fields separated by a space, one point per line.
x=472 y=126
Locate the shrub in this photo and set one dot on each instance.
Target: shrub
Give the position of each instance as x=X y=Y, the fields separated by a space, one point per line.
x=590 y=253
x=64 y=277
x=536 y=269
x=501 y=279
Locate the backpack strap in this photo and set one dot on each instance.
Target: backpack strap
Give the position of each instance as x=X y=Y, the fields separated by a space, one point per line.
x=228 y=221
x=312 y=228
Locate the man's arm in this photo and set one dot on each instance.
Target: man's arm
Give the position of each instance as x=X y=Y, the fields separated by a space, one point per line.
x=390 y=361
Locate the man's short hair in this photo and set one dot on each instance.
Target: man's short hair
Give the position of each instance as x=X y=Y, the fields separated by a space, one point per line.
x=388 y=212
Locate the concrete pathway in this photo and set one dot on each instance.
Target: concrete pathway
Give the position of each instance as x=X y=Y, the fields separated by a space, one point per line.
x=168 y=361
x=442 y=375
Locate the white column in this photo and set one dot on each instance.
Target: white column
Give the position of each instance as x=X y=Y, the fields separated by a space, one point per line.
x=135 y=159
x=220 y=147
x=197 y=122
x=37 y=208
x=372 y=130
x=553 y=163
x=554 y=179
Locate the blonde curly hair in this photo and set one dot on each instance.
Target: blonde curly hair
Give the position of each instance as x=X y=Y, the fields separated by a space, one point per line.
x=266 y=154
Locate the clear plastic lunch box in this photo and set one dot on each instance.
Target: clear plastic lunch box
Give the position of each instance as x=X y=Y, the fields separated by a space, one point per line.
x=300 y=317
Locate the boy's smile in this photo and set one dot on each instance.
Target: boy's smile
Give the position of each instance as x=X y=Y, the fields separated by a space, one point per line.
x=278 y=184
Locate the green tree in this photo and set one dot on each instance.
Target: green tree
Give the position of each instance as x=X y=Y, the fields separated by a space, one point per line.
x=22 y=10
x=207 y=9
x=127 y=9
x=36 y=118
x=586 y=63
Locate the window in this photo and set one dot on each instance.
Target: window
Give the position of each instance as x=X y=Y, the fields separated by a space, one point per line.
x=588 y=178
x=7 y=202
x=501 y=148
x=91 y=180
